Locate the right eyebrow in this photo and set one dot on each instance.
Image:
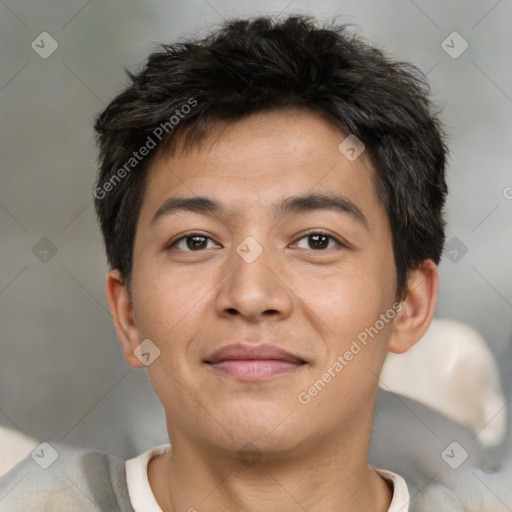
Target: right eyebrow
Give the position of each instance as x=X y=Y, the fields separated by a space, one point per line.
x=198 y=204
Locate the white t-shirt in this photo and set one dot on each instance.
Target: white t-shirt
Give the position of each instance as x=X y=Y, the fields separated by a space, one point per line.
x=143 y=500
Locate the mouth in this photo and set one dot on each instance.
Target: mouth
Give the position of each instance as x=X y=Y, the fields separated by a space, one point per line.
x=253 y=362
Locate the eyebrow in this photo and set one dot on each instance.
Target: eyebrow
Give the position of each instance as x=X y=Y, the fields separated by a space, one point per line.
x=291 y=205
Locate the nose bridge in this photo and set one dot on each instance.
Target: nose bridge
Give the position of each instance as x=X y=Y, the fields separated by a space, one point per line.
x=252 y=287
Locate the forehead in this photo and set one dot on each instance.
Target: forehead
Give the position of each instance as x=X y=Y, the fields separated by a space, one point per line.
x=253 y=165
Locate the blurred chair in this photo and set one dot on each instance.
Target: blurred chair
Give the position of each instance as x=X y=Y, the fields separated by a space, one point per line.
x=453 y=371
x=14 y=447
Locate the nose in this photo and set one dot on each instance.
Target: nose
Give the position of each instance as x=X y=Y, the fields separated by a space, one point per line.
x=253 y=288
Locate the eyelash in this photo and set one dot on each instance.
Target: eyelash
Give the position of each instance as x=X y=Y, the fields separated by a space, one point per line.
x=322 y=233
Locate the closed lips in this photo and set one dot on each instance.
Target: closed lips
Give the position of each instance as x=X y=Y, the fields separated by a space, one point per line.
x=239 y=352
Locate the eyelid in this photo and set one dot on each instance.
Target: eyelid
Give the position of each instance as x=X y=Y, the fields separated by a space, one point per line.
x=339 y=240
x=191 y=234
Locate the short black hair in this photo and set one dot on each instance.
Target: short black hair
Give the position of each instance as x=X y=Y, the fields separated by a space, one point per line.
x=260 y=64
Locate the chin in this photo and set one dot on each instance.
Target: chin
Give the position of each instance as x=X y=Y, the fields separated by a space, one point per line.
x=269 y=425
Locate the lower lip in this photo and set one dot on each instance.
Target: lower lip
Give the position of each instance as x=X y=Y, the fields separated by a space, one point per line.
x=255 y=369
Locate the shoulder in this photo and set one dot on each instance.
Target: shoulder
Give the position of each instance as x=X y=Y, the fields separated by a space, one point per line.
x=409 y=497
x=433 y=496
x=59 y=478
x=470 y=489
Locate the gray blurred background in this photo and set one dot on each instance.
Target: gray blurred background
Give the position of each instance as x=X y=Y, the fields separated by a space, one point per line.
x=62 y=374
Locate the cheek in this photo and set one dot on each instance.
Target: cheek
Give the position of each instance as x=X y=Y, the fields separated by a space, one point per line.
x=349 y=314
x=169 y=309
x=345 y=299
x=167 y=303
x=347 y=307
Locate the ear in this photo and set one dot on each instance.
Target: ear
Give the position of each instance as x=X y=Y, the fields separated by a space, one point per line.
x=122 y=312
x=418 y=306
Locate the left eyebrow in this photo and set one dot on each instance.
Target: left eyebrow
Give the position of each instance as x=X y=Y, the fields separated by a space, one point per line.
x=290 y=206
x=321 y=201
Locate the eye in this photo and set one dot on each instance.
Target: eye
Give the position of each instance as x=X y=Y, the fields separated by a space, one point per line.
x=196 y=242
x=193 y=242
x=319 y=241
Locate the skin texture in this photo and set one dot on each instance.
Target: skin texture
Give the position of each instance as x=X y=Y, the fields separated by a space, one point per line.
x=252 y=445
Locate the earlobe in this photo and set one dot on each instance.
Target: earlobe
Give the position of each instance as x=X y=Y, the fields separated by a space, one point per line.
x=122 y=314
x=418 y=308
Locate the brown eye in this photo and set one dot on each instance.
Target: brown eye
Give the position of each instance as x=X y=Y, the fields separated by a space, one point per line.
x=196 y=242
x=319 y=241
x=191 y=243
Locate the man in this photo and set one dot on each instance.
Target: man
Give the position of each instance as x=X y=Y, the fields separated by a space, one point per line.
x=271 y=202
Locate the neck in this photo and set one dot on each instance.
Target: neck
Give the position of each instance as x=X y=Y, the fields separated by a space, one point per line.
x=330 y=477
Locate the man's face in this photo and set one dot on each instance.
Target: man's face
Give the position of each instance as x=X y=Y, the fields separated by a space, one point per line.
x=306 y=280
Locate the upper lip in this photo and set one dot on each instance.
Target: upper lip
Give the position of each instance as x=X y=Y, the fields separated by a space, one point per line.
x=240 y=351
